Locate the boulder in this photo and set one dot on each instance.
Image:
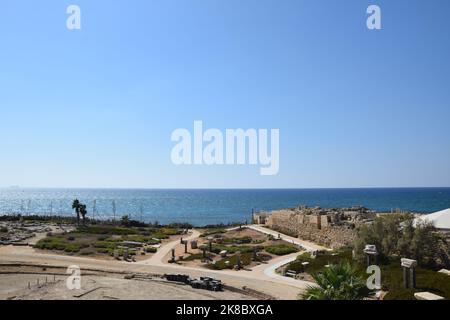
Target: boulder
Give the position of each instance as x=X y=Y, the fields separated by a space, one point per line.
x=427 y=296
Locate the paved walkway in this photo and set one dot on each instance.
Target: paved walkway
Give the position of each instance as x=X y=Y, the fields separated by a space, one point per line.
x=308 y=246
x=163 y=251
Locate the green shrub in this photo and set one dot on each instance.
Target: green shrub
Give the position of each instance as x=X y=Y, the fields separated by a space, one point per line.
x=239 y=240
x=72 y=248
x=151 y=250
x=398 y=235
x=110 y=230
x=281 y=249
x=337 y=282
x=170 y=231
x=87 y=251
x=104 y=251
x=246 y=259
x=103 y=244
x=210 y=232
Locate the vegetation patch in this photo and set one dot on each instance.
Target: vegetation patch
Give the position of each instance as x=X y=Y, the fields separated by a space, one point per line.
x=245 y=260
x=104 y=239
x=197 y=256
x=211 y=232
x=337 y=282
x=396 y=235
x=237 y=240
x=391 y=274
x=281 y=249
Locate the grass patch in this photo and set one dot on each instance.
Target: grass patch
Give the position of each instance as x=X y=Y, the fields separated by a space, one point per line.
x=197 y=256
x=238 y=240
x=112 y=230
x=103 y=240
x=427 y=280
x=151 y=250
x=281 y=249
x=246 y=259
x=211 y=232
x=60 y=243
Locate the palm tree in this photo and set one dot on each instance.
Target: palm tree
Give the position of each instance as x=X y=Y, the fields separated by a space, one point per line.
x=83 y=213
x=337 y=282
x=76 y=206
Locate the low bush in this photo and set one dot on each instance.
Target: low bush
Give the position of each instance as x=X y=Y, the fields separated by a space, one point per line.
x=239 y=240
x=103 y=244
x=110 y=230
x=210 y=232
x=281 y=249
x=87 y=251
x=151 y=250
x=245 y=259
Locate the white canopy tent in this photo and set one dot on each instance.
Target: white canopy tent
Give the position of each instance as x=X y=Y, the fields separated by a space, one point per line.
x=440 y=219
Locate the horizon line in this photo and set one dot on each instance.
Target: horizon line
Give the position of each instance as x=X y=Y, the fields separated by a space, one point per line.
x=225 y=188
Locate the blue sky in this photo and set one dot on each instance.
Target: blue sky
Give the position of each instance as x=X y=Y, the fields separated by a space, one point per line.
x=96 y=107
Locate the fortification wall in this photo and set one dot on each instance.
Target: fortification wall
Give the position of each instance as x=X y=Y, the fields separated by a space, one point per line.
x=315 y=228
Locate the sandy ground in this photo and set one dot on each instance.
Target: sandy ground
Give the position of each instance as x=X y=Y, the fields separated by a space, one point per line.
x=103 y=288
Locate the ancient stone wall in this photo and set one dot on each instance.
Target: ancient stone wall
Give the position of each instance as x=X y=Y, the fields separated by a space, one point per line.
x=334 y=237
x=316 y=228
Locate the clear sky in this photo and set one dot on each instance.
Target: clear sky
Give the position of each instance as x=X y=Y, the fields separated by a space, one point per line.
x=96 y=107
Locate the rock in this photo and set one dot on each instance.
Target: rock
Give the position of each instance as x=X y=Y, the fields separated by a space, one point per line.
x=427 y=296
x=223 y=253
x=445 y=271
x=409 y=263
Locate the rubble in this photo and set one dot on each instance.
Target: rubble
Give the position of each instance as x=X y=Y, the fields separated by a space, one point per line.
x=14 y=232
x=333 y=228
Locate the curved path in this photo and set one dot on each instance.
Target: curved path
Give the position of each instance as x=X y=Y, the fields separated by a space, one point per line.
x=308 y=246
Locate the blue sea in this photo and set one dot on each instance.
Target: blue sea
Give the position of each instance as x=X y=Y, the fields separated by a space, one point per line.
x=202 y=207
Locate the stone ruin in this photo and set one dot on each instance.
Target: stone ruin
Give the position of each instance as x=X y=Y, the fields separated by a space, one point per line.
x=334 y=228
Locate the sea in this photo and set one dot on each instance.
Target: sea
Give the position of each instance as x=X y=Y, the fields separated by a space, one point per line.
x=202 y=207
